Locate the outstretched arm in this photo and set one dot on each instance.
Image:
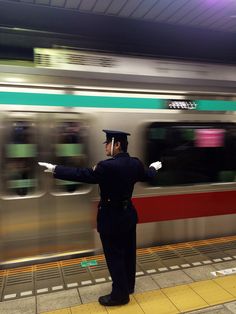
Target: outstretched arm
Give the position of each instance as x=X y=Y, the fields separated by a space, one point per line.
x=148 y=174
x=86 y=175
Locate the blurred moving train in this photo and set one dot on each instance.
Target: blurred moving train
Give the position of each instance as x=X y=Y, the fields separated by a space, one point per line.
x=178 y=112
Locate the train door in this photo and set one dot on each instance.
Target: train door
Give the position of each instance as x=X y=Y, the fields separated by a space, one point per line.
x=66 y=209
x=20 y=186
x=40 y=216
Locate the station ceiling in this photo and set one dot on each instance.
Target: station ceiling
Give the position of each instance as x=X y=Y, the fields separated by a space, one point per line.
x=186 y=29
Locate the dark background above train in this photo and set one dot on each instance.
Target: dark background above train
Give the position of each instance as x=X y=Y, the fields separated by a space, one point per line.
x=192 y=29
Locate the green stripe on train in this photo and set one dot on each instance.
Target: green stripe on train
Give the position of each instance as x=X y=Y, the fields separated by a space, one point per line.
x=37 y=99
x=80 y=101
x=220 y=105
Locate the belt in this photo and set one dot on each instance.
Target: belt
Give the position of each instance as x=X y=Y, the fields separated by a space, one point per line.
x=108 y=199
x=123 y=203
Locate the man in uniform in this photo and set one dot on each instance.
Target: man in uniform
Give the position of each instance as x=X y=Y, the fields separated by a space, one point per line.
x=116 y=217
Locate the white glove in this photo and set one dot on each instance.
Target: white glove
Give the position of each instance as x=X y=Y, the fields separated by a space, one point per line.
x=50 y=167
x=157 y=165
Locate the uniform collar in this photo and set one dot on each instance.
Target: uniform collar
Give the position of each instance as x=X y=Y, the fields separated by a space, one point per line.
x=121 y=155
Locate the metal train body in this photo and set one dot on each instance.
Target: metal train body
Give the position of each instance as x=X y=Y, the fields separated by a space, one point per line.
x=56 y=114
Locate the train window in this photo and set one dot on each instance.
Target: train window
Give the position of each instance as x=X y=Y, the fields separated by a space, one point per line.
x=20 y=153
x=70 y=150
x=192 y=153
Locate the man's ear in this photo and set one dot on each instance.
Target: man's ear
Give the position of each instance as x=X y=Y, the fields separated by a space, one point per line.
x=118 y=145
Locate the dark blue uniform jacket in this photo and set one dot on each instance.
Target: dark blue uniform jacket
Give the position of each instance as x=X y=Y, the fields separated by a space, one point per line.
x=116 y=178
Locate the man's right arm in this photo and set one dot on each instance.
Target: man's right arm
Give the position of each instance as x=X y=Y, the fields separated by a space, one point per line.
x=86 y=175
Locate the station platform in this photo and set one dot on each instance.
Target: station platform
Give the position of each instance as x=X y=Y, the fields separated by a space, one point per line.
x=191 y=277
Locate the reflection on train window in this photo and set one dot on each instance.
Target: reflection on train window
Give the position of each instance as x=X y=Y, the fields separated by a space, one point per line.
x=70 y=150
x=192 y=153
x=20 y=158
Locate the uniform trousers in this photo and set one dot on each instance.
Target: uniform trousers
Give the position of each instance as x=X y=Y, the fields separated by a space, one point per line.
x=120 y=254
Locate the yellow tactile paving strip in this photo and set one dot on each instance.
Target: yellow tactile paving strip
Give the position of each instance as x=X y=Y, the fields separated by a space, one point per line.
x=228 y=283
x=155 y=302
x=178 y=299
x=211 y=292
x=184 y=298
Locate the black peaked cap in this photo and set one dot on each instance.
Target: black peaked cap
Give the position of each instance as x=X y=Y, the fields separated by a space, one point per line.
x=117 y=135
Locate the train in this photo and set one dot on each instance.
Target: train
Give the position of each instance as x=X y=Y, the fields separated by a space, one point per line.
x=54 y=110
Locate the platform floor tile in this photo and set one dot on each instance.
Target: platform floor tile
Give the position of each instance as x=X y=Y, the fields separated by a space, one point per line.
x=200 y=272
x=19 y=306
x=231 y=307
x=228 y=283
x=170 y=279
x=184 y=298
x=225 y=265
x=218 y=309
x=155 y=302
x=61 y=311
x=57 y=300
x=89 y=308
x=211 y=292
x=145 y=283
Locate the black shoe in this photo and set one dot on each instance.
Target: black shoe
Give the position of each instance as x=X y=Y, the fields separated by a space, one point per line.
x=131 y=291
x=107 y=300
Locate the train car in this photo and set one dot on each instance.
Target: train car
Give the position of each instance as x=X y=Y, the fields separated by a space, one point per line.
x=54 y=110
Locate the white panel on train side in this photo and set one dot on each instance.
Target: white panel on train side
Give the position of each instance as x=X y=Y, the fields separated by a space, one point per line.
x=87 y=62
